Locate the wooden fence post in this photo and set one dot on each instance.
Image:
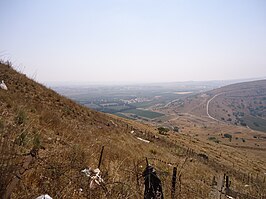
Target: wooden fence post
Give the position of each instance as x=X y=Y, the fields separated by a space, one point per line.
x=173 y=183
x=227 y=184
x=101 y=156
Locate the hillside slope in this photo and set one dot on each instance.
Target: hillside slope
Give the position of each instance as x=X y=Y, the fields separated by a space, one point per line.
x=240 y=104
x=46 y=140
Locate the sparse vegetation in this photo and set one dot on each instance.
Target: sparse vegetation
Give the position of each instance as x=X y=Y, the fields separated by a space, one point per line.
x=229 y=136
x=163 y=130
x=21 y=117
x=214 y=139
x=176 y=129
x=21 y=139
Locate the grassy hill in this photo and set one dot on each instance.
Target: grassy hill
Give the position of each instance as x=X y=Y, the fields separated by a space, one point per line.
x=47 y=139
x=239 y=104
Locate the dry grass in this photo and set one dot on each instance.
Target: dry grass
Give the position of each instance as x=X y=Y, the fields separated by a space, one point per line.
x=69 y=138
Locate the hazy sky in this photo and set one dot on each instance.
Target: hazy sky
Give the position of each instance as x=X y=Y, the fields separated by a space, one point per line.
x=135 y=40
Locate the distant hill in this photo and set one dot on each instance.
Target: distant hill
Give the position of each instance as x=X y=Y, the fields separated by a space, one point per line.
x=240 y=104
x=46 y=140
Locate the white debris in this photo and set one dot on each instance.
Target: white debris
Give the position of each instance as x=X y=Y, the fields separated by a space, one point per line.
x=147 y=141
x=94 y=175
x=87 y=172
x=45 y=196
x=113 y=123
x=3 y=85
x=80 y=189
x=131 y=132
x=230 y=197
x=246 y=185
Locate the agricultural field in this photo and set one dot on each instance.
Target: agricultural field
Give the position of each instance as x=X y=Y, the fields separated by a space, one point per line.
x=144 y=113
x=133 y=101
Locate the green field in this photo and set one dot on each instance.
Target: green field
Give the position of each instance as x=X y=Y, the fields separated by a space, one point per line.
x=144 y=113
x=117 y=108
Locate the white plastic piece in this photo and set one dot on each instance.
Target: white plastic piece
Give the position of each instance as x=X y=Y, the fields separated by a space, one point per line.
x=147 y=141
x=45 y=196
x=3 y=85
x=94 y=175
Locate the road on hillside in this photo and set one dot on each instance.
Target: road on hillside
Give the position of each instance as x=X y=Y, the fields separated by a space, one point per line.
x=207 y=106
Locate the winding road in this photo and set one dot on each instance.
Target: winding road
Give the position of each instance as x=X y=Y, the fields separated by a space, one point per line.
x=207 y=106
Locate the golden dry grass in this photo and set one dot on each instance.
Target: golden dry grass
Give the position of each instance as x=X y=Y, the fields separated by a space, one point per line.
x=69 y=138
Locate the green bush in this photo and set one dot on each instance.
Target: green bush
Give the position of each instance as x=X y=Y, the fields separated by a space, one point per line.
x=226 y=135
x=176 y=129
x=163 y=130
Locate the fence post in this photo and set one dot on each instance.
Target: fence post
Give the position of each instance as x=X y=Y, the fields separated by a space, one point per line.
x=101 y=156
x=214 y=183
x=173 y=183
x=227 y=184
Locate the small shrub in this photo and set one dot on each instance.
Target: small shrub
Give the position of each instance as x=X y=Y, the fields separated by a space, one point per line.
x=154 y=152
x=21 y=118
x=214 y=139
x=229 y=136
x=211 y=138
x=163 y=130
x=226 y=135
x=176 y=129
x=37 y=141
x=21 y=139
